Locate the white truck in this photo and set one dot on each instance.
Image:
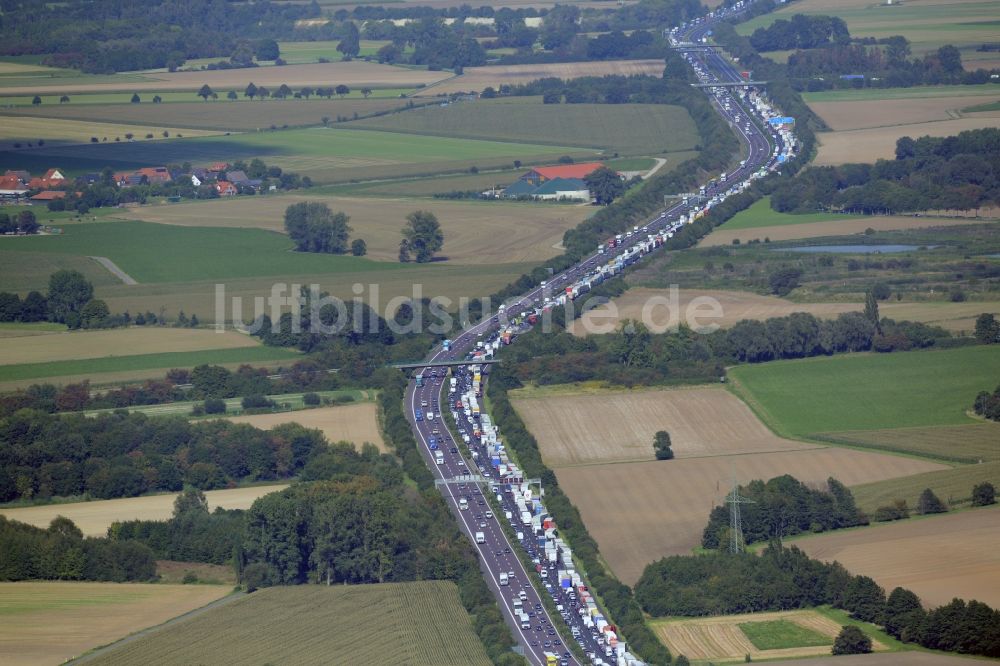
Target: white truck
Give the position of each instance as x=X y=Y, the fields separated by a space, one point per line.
x=503 y=578
x=463 y=504
x=480 y=537
x=439 y=457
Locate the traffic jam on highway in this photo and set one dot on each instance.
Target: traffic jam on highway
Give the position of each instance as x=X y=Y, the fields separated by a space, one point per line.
x=457 y=389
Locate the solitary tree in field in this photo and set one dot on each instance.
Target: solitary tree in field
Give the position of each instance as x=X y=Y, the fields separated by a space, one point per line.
x=36 y=100
x=423 y=235
x=661 y=444
x=129 y=136
x=135 y=98
x=359 y=248
x=157 y=99
x=251 y=91
x=366 y=92
x=231 y=95
x=205 y=92
x=325 y=120
x=64 y=99
x=852 y=640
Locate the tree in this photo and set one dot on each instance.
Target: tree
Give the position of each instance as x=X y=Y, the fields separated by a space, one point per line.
x=34 y=307
x=283 y=91
x=214 y=406
x=306 y=92
x=605 y=185
x=342 y=90
x=251 y=91
x=267 y=49
x=157 y=99
x=27 y=223
x=64 y=99
x=359 y=248
x=36 y=100
x=930 y=503
x=350 y=43
x=404 y=251
x=661 y=445
x=784 y=280
x=865 y=599
x=871 y=311
x=851 y=640
x=94 y=313
x=135 y=98
x=984 y=494
x=903 y=614
x=10 y=306
x=423 y=235
x=987 y=329
x=231 y=95
x=69 y=291
x=191 y=500
x=205 y=92
x=313 y=227
x=389 y=53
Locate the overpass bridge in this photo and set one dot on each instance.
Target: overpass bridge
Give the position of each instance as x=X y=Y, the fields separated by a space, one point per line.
x=730 y=84
x=442 y=364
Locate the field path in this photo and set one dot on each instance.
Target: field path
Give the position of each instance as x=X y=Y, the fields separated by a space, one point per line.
x=115 y=270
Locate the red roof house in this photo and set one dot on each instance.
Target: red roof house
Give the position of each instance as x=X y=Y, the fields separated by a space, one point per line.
x=52 y=178
x=539 y=175
x=49 y=195
x=155 y=174
x=226 y=189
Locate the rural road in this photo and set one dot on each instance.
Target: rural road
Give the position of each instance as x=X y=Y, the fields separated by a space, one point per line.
x=117 y=272
x=446 y=460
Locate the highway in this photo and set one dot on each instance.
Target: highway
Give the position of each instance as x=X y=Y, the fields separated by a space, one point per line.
x=443 y=455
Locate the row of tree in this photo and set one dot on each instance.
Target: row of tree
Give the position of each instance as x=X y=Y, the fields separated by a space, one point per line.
x=70 y=300
x=125 y=455
x=23 y=222
x=782 y=507
x=62 y=553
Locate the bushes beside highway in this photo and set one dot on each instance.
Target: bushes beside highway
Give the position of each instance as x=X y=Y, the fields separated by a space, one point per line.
x=616 y=597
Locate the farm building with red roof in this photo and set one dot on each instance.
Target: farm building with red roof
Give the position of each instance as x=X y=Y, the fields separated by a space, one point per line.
x=539 y=175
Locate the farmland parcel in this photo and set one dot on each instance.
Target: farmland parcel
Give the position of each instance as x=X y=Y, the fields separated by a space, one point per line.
x=346 y=423
x=419 y=623
x=51 y=622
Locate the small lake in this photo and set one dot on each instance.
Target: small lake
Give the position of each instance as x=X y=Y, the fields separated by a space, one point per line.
x=856 y=249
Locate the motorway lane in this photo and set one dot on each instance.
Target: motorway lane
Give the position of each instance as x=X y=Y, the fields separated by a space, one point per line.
x=758 y=151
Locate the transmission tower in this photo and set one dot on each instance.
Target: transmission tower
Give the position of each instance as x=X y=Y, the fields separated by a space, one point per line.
x=734 y=499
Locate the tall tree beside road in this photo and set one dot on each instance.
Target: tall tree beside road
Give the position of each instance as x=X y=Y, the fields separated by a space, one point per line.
x=605 y=185
x=315 y=228
x=422 y=235
x=69 y=291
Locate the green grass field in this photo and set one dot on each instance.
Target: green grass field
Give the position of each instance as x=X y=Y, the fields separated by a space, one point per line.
x=779 y=634
x=954 y=486
x=632 y=164
x=928 y=25
x=868 y=391
x=628 y=129
x=916 y=92
x=412 y=623
x=157 y=253
x=323 y=153
x=117 y=364
x=990 y=106
x=22 y=271
x=761 y=215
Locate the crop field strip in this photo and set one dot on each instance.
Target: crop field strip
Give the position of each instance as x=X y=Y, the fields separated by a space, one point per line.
x=357 y=424
x=478 y=78
x=970 y=444
x=861 y=114
x=49 y=622
x=938 y=557
x=19 y=130
x=953 y=485
x=94 y=518
x=628 y=129
x=414 y=623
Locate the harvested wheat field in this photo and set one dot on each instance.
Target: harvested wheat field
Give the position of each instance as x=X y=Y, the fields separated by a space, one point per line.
x=869 y=145
x=667 y=502
x=345 y=423
x=75 y=345
x=849 y=225
x=475 y=232
x=650 y=307
x=720 y=637
x=939 y=557
x=94 y=518
x=354 y=73
x=20 y=130
x=860 y=114
x=53 y=621
x=478 y=78
x=393 y=623
x=619 y=426
x=910 y=658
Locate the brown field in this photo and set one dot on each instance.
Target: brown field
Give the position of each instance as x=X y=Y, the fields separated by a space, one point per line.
x=868 y=145
x=911 y=658
x=349 y=423
x=51 y=622
x=619 y=426
x=21 y=130
x=220 y=116
x=172 y=571
x=860 y=114
x=972 y=443
x=475 y=232
x=94 y=518
x=939 y=558
x=74 y=345
x=720 y=637
x=420 y=623
x=739 y=305
x=477 y=78
x=667 y=502
x=354 y=73
x=848 y=225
